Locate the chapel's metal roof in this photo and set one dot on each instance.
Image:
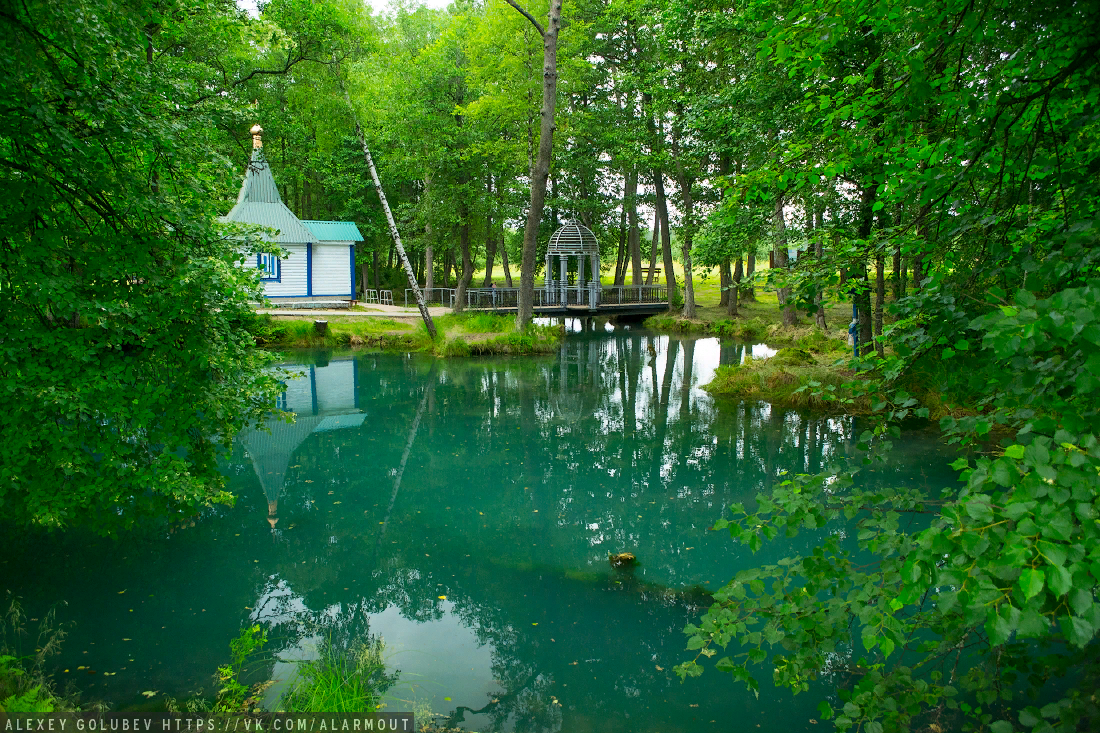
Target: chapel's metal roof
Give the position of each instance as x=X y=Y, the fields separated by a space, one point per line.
x=259 y=203
x=333 y=231
x=573 y=239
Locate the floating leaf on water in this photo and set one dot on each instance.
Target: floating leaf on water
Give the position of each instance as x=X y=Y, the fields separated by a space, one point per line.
x=337 y=502
x=125 y=639
x=659 y=668
x=122 y=591
x=150 y=693
x=442 y=598
x=447 y=699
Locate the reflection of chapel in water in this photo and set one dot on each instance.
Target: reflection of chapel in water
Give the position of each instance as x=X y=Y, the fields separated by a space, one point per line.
x=322 y=398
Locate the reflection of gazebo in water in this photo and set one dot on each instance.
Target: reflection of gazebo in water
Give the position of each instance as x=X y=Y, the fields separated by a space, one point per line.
x=573 y=241
x=323 y=399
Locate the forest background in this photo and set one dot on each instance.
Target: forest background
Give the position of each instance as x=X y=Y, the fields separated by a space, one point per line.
x=935 y=163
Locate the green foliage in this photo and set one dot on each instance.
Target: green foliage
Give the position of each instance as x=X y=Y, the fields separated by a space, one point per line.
x=793 y=358
x=301 y=334
x=125 y=367
x=810 y=386
x=24 y=684
x=233 y=695
x=341 y=680
x=750 y=331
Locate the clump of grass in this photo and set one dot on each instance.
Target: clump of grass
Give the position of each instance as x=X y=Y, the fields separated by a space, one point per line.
x=819 y=342
x=674 y=324
x=810 y=386
x=341 y=680
x=24 y=685
x=300 y=333
x=791 y=357
x=478 y=322
x=753 y=330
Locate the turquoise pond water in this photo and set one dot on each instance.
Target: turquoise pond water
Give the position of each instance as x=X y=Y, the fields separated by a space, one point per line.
x=464 y=510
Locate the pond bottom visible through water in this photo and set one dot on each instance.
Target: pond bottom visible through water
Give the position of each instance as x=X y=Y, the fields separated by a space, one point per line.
x=464 y=511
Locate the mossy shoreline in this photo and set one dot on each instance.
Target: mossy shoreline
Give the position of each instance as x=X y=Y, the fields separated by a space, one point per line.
x=458 y=335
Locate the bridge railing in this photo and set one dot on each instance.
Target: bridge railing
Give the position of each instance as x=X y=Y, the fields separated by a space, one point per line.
x=624 y=294
x=442 y=296
x=503 y=298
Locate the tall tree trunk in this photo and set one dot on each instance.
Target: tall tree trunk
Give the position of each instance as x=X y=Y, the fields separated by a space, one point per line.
x=542 y=163
x=899 y=274
x=724 y=278
x=880 y=299
x=467 y=262
x=666 y=234
x=862 y=284
x=429 y=267
x=819 y=252
x=621 y=255
x=634 y=235
x=490 y=238
x=653 y=249
x=377 y=274
x=733 y=279
x=686 y=182
x=781 y=258
x=429 y=324
x=429 y=263
x=448 y=258
x=504 y=263
x=748 y=292
x=656 y=138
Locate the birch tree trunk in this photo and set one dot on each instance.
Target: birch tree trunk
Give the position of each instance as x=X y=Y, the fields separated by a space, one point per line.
x=428 y=323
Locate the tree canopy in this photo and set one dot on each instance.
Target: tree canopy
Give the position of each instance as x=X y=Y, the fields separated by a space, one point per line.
x=955 y=142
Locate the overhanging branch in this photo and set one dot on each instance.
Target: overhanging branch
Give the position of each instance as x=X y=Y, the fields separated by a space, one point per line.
x=529 y=17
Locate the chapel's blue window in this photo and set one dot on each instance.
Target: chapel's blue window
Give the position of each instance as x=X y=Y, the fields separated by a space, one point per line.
x=269 y=264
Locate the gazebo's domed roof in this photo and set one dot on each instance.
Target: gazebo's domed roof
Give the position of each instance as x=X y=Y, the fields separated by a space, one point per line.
x=573 y=239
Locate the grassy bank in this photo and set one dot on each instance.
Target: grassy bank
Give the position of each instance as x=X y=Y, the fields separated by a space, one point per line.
x=811 y=374
x=815 y=374
x=757 y=321
x=458 y=334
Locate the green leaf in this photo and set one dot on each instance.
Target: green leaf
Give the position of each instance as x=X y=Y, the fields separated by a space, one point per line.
x=1032 y=624
x=1001 y=726
x=1015 y=452
x=1001 y=625
x=979 y=509
x=1078 y=630
x=1030 y=583
x=1059 y=580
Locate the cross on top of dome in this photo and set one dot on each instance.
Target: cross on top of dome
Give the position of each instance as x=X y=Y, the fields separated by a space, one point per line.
x=573 y=239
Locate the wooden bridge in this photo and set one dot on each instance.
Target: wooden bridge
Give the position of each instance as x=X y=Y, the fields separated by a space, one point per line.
x=561 y=300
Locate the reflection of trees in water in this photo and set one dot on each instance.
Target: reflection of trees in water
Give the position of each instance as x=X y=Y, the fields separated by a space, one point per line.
x=613 y=445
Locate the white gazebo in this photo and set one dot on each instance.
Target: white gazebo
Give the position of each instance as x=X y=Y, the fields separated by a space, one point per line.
x=573 y=241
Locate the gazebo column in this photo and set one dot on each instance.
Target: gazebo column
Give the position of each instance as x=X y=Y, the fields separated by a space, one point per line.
x=548 y=279
x=563 y=264
x=594 y=298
